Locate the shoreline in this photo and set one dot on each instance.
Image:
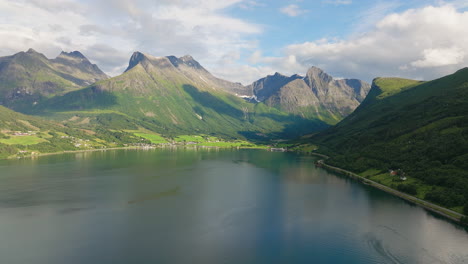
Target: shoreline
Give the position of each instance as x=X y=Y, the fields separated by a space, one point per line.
x=122 y=148
x=439 y=210
x=67 y=152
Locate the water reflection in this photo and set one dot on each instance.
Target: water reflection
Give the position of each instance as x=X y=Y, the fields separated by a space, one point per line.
x=208 y=206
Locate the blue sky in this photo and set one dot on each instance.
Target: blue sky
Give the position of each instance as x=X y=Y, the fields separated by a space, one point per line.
x=244 y=40
x=315 y=19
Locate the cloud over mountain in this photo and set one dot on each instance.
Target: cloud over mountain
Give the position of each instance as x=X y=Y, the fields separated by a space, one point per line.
x=424 y=42
x=118 y=28
x=420 y=43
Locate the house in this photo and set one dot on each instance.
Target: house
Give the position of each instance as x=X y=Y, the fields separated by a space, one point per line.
x=21 y=134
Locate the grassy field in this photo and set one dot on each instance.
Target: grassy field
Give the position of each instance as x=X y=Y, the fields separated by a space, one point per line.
x=394 y=181
x=391 y=86
x=191 y=138
x=23 y=140
x=155 y=139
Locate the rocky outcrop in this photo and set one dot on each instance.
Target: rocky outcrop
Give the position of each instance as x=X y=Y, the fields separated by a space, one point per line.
x=316 y=95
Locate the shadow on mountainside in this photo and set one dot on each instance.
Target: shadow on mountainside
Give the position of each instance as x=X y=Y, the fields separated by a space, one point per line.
x=210 y=101
x=294 y=127
x=84 y=99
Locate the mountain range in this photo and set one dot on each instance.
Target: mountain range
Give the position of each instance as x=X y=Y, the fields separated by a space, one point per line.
x=171 y=96
x=317 y=95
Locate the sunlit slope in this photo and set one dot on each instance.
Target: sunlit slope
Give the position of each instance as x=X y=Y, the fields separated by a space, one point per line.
x=155 y=93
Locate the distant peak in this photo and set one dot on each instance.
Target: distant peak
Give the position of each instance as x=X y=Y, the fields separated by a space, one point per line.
x=316 y=75
x=187 y=58
x=74 y=54
x=277 y=74
x=137 y=54
x=31 y=51
x=316 y=72
x=314 y=69
x=174 y=60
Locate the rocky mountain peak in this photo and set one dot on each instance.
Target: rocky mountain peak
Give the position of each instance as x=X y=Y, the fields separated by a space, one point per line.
x=73 y=54
x=32 y=51
x=317 y=74
x=30 y=54
x=69 y=62
x=317 y=95
x=269 y=85
x=186 y=60
x=164 y=62
x=135 y=59
x=277 y=74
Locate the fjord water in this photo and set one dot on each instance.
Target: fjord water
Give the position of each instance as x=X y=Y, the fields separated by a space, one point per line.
x=208 y=206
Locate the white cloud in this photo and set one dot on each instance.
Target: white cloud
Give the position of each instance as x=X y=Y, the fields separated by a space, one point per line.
x=250 y=4
x=423 y=43
x=119 y=27
x=293 y=10
x=440 y=57
x=338 y=2
x=418 y=43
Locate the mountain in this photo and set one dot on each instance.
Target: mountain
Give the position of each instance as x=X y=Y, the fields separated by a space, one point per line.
x=318 y=95
x=27 y=77
x=266 y=87
x=418 y=127
x=75 y=64
x=190 y=69
x=172 y=96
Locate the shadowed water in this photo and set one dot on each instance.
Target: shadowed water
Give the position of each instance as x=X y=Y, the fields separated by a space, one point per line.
x=208 y=206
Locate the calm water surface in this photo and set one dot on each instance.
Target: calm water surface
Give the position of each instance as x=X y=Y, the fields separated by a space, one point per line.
x=208 y=206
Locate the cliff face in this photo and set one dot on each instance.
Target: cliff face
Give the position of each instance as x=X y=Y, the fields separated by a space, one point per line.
x=317 y=95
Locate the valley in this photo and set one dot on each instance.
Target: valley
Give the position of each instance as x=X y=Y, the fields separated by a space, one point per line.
x=414 y=127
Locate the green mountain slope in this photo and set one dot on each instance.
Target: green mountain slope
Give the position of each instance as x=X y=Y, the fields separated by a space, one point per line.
x=28 y=77
x=172 y=96
x=419 y=128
